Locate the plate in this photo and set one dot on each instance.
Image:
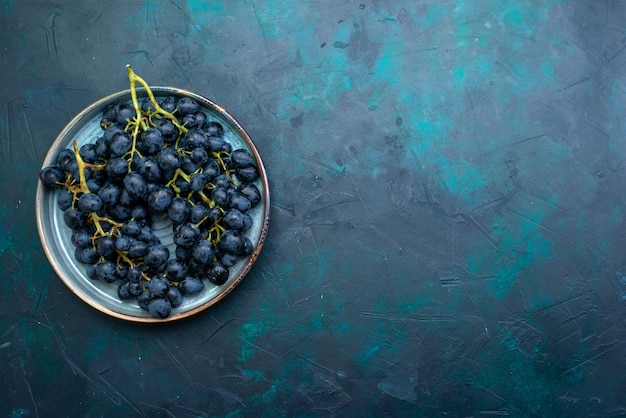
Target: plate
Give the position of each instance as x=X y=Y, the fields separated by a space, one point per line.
x=56 y=236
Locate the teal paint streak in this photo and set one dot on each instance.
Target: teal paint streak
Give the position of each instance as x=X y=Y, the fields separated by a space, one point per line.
x=8 y=6
x=528 y=382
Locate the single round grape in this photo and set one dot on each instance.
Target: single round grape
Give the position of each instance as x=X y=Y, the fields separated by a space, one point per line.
x=251 y=192
x=216 y=143
x=231 y=241
x=149 y=169
x=116 y=168
x=220 y=196
x=169 y=131
x=175 y=296
x=218 y=274
x=188 y=165
x=203 y=252
x=186 y=235
x=239 y=202
x=122 y=243
x=190 y=285
x=131 y=228
x=176 y=269
x=124 y=113
x=211 y=168
x=199 y=156
x=247 y=174
x=86 y=255
x=169 y=104
x=160 y=307
x=187 y=105
x=121 y=143
x=137 y=249
x=94 y=185
x=158 y=285
x=150 y=141
x=196 y=138
x=90 y=202
x=198 y=181
x=144 y=298
x=242 y=158
x=228 y=259
x=120 y=212
x=157 y=255
x=74 y=218
x=160 y=199
x=81 y=238
x=106 y=271
x=214 y=129
x=109 y=193
x=135 y=184
x=52 y=176
x=169 y=159
x=65 y=199
x=233 y=219
x=178 y=212
x=66 y=159
x=198 y=213
x=106 y=246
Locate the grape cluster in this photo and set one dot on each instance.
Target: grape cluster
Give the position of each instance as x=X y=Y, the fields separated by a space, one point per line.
x=157 y=159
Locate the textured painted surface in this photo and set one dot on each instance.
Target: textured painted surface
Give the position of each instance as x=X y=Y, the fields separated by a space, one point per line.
x=448 y=223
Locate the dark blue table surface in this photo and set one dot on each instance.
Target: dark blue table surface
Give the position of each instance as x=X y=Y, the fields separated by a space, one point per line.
x=448 y=221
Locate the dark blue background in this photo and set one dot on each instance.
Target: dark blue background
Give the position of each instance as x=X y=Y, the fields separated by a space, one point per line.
x=448 y=224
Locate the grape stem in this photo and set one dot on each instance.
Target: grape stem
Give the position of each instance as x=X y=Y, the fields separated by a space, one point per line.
x=134 y=78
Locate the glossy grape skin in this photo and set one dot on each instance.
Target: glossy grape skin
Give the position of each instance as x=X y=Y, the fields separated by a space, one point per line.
x=197 y=213
x=160 y=307
x=106 y=246
x=109 y=193
x=149 y=168
x=251 y=192
x=65 y=200
x=124 y=113
x=169 y=159
x=160 y=199
x=74 y=218
x=135 y=184
x=218 y=274
x=178 y=212
x=187 y=106
x=116 y=168
x=186 y=235
x=131 y=228
x=214 y=129
x=150 y=141
x=247 y=174
x=176 y=269
x=242 y=158
x=90 y=202
x=105 y=271
x=81 y=238
x=156 y=255
x=190 y=285
x=203 y=252
x=121 y=143
x=169 y=132
x=169 y=103
x=158 y=285
x=175 y=296
x=233 y=219
x=52 y=175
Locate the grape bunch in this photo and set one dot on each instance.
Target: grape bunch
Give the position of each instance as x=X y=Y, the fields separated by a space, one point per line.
x=156 y=159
